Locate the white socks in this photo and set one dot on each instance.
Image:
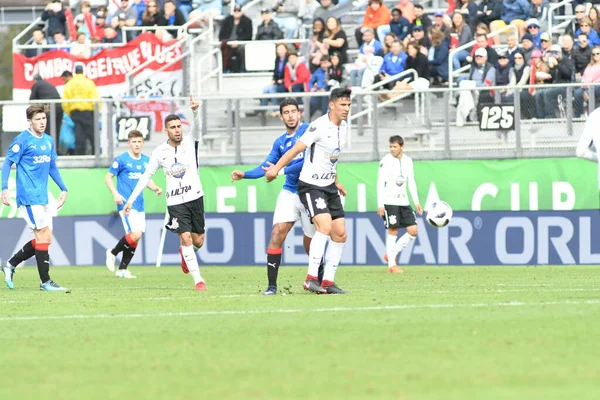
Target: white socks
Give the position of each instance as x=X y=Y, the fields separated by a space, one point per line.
x=403 y=242
x=315 y=253
x=332 y=259
x=192 y=262
x=390 y=249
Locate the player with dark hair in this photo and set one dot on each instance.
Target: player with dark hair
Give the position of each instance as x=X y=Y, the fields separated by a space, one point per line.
x=178 y=158
x=319 y=188
x=396 y=171
x=128 y=168
x=34 y=153
x=288 y=209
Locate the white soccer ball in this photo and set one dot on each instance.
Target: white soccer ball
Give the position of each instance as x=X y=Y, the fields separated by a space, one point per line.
x=439 y=215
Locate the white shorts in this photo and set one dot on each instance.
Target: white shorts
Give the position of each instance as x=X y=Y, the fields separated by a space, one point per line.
x=38 y=216
x=136 y=221
x=290 y=209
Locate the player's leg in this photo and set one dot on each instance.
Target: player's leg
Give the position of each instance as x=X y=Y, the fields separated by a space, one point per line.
x=195 y=219
x=391 y=218
x=25 y=253
x=336 y=244
x=137 y=226
x=41 y=216
x=309 y=232
x=322 y=224
x=408 y=220
x=123 y=243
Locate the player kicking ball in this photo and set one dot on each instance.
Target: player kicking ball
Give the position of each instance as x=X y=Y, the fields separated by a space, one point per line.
x=128 y=168
x=319 y=189
x=34 y=153
x=178 y=158
x=396 y=172
x=288 y=209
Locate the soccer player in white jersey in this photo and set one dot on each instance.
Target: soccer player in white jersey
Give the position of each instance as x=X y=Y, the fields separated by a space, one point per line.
x=178 y=158
x=587 y=147
x=128 y=168
x=319 y=188
x=34 y=153
x=396 y=172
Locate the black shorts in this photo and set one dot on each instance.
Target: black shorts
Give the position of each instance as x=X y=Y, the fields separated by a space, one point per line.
x=398 y=216
x=321 y=200
x=187 y=217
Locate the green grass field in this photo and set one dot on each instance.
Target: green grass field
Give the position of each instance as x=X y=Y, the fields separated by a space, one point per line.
x=432 y=333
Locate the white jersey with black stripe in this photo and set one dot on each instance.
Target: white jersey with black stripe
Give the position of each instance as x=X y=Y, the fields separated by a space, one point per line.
x=324 y=141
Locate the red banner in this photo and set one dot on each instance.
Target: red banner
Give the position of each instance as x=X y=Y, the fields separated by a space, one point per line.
x=108 y=67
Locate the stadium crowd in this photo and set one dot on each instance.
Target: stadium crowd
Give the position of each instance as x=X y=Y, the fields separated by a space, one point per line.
x=390 y=39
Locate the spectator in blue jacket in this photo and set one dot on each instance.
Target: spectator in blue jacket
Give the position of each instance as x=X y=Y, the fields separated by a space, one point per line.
x=438 y=55
x=585 y=27
x=514 y=12
x=319 y=82
x=394 y=63
x=369 y=40
x=399 y=26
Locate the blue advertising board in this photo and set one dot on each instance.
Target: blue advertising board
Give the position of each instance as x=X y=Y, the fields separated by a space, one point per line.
x=472 y=238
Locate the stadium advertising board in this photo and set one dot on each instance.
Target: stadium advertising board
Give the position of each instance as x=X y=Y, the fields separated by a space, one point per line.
x=108 y=68
x=505 y=185
x=472 y=238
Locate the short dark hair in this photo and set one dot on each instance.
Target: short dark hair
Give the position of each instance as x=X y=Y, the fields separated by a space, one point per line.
x=399 y=11
x=397 y=139
x=35 y=109
x=288 y=101
x=135 y=134
x=171 y=117
x=66 y=73
x=340 y=93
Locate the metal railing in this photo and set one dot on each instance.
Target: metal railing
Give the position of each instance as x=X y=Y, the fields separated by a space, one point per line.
x=565 y=18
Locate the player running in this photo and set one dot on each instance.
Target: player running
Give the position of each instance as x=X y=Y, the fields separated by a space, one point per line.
x=34 y=152
x=178 y=158
x=396 y=171
x=288 y=209
x=128 y=168
x=319 y=188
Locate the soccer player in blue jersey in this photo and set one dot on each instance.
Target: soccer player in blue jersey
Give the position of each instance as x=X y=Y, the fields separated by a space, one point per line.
x=288 y=209
x=34 y=153
x=128 y=168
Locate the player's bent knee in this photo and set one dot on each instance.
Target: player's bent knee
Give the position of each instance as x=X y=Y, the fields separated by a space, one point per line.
x=185 y=239
x=136 y=236
x=393 y=231
x=412 y=230
x=198 y=241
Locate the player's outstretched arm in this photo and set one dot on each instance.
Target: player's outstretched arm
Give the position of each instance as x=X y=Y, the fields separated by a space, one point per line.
x=196 y=131
x=151 y=169
x=152 y=186
x=272 y=171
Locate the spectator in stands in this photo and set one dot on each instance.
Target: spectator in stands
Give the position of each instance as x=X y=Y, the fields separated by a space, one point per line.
x=483 y=43
x=277 y=85
x=408 y=10
x=125 y=16
x=394 y=63
x=234 y=27
x=561 y=71
x=387 y=42
x=111 y=35
x=324 y=10
x=417 y=60
x=527 y=47
x=307 y=11
x=539 y=11
x=376 y=15
x=533 y=28
x=593 y=16
x=82 y=113
x=512 y=47
x=370 y=48
x=460 y=35
x=61 y=41
x=122 y=23
x=171 y=16
x=54 y=13
x=438 y=22
x=269 y=30
x=591 y=75
x=489 y=10
x=287 y=16
x=484 y=75
x=185 y=6
x=151 y=17
x=581 y=56
x=336 y=71
x=39 y=40
x=469 y=9
x=514 y=12
x=85 y=15
x=66 y=76
x=585 y=27
x=315 y=50
x=319 y=82
x=519 y=76
x=206 y=10
x=419 y=36
x=575 y=24
x=438 y=56
x=399 y=26
x=335 y=38
x=140 y=7
x=567 y=44
x=296 y=74
x=80 y=47
x=420 y=19
x=546 y=42
x=100 y=25
x=44 y=90
x=503 y=72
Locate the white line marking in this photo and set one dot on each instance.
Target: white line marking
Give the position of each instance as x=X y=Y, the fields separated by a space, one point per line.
x=292 y=311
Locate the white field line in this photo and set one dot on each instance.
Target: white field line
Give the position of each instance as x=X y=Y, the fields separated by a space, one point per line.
x=299 y=311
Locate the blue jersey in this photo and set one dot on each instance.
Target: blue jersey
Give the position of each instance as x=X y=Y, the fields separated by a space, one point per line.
x=281 y=145
x=36 y=161
x=128 y=171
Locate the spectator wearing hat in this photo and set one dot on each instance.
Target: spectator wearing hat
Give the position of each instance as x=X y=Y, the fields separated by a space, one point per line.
x=483 y=73
x=533 y=28
x=591 y=75
x=268 y=29
x=420 y=19
x=54 y=13
x=503 y=72
x=581 y=55
x=235 y=27
x=438 y=56
x=560 y=70
x=519 y=76
x=121 y=24
x=408 y=10
x=545 y=42
x=539 y=11
x=377 y=14
x=324 y=10
x=527 y=46
x=440 y=23
x=585 y=27
x=418 y=35
x=44 y=90
x=514 y=12
x=399 y=26
x=82 y=112
x=130 y=15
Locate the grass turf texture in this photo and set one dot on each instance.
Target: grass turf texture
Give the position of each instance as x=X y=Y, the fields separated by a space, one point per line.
x=432 y=333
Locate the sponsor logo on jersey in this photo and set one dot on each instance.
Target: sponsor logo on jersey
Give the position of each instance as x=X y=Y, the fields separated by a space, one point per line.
x=179 y=191
x=334 y=156
x=177 y=170
x=135 y=175
x=41 y=159
x=15 y=148
x=325 y=175
x=400 y=180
